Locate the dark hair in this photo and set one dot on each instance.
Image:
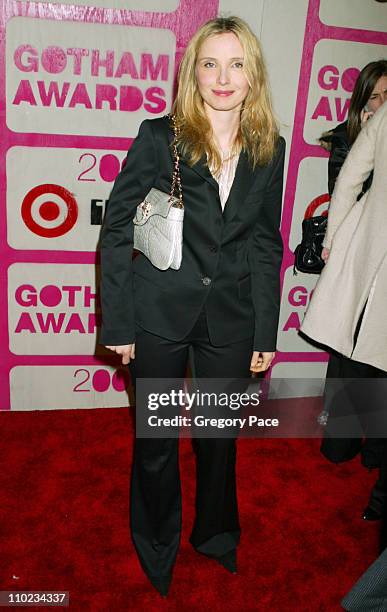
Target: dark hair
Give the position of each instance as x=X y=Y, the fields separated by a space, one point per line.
x=364 y=85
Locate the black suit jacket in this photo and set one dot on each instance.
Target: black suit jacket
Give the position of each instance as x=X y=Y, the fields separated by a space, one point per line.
x=231 y=260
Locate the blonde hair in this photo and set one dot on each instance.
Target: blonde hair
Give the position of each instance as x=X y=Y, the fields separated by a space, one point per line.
x=258 y=132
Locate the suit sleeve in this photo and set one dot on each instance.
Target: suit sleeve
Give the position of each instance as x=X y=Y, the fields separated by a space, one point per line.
x=265 y=258
x=355 y=170
x=116 y=245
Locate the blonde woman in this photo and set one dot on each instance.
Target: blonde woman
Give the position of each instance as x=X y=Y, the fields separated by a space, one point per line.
x=223 y=302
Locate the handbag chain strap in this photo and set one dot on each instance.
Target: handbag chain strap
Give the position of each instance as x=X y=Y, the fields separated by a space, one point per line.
x=176 y=180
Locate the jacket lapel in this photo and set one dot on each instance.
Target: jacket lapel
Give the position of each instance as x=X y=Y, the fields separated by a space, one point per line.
x=243 y=181
x=201 y=168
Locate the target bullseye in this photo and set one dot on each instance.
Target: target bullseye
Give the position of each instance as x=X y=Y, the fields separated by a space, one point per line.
x=49 y=210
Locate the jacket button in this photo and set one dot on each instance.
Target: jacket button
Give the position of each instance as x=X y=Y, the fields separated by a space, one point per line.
x=206 y=280
x=213 y=248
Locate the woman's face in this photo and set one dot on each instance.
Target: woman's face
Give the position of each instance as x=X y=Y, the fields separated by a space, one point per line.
x=379 y=95
x=220 y=76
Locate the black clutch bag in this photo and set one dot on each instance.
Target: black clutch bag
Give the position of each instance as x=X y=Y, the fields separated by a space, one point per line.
x=308 y=252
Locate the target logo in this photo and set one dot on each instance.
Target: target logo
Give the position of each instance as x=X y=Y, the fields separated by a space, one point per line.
x=317 y=203
x=49 y=210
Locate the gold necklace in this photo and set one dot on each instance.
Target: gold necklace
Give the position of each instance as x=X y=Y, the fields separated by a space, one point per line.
x=230 y=156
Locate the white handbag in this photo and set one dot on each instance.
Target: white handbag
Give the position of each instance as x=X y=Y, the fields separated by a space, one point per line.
x=158 y=223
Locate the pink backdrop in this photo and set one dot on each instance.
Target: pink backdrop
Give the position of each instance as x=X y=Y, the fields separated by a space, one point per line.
x=75 y=82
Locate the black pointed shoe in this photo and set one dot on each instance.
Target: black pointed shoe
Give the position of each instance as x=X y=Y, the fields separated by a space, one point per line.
x=370 y=514
x=161 y=583
x=228 y=560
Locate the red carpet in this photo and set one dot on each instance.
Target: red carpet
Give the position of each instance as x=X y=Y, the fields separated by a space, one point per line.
x=64 y=521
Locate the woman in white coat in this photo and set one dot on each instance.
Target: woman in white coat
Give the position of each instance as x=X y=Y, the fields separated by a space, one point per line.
x=347 y=312
x=356 y=238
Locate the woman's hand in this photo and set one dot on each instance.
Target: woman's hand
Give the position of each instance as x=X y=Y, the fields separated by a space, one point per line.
x=364 y=116
x=126 y=350
x=325 y=254
x=261 y=361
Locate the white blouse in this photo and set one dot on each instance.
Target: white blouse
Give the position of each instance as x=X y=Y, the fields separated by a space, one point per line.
x=225 y=178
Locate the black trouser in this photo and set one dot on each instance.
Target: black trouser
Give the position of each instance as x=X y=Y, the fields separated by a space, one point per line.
x=346 y=395
x=359 y=398
x=342 y=398
x=156 y=493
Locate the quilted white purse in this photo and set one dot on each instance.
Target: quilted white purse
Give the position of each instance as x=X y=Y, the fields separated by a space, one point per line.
x=158 y=223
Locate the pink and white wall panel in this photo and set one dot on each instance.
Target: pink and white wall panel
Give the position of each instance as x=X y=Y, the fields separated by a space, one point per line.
x=76 y=79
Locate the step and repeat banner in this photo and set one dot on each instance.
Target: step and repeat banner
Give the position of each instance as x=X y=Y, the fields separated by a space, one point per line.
x=76 y=80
